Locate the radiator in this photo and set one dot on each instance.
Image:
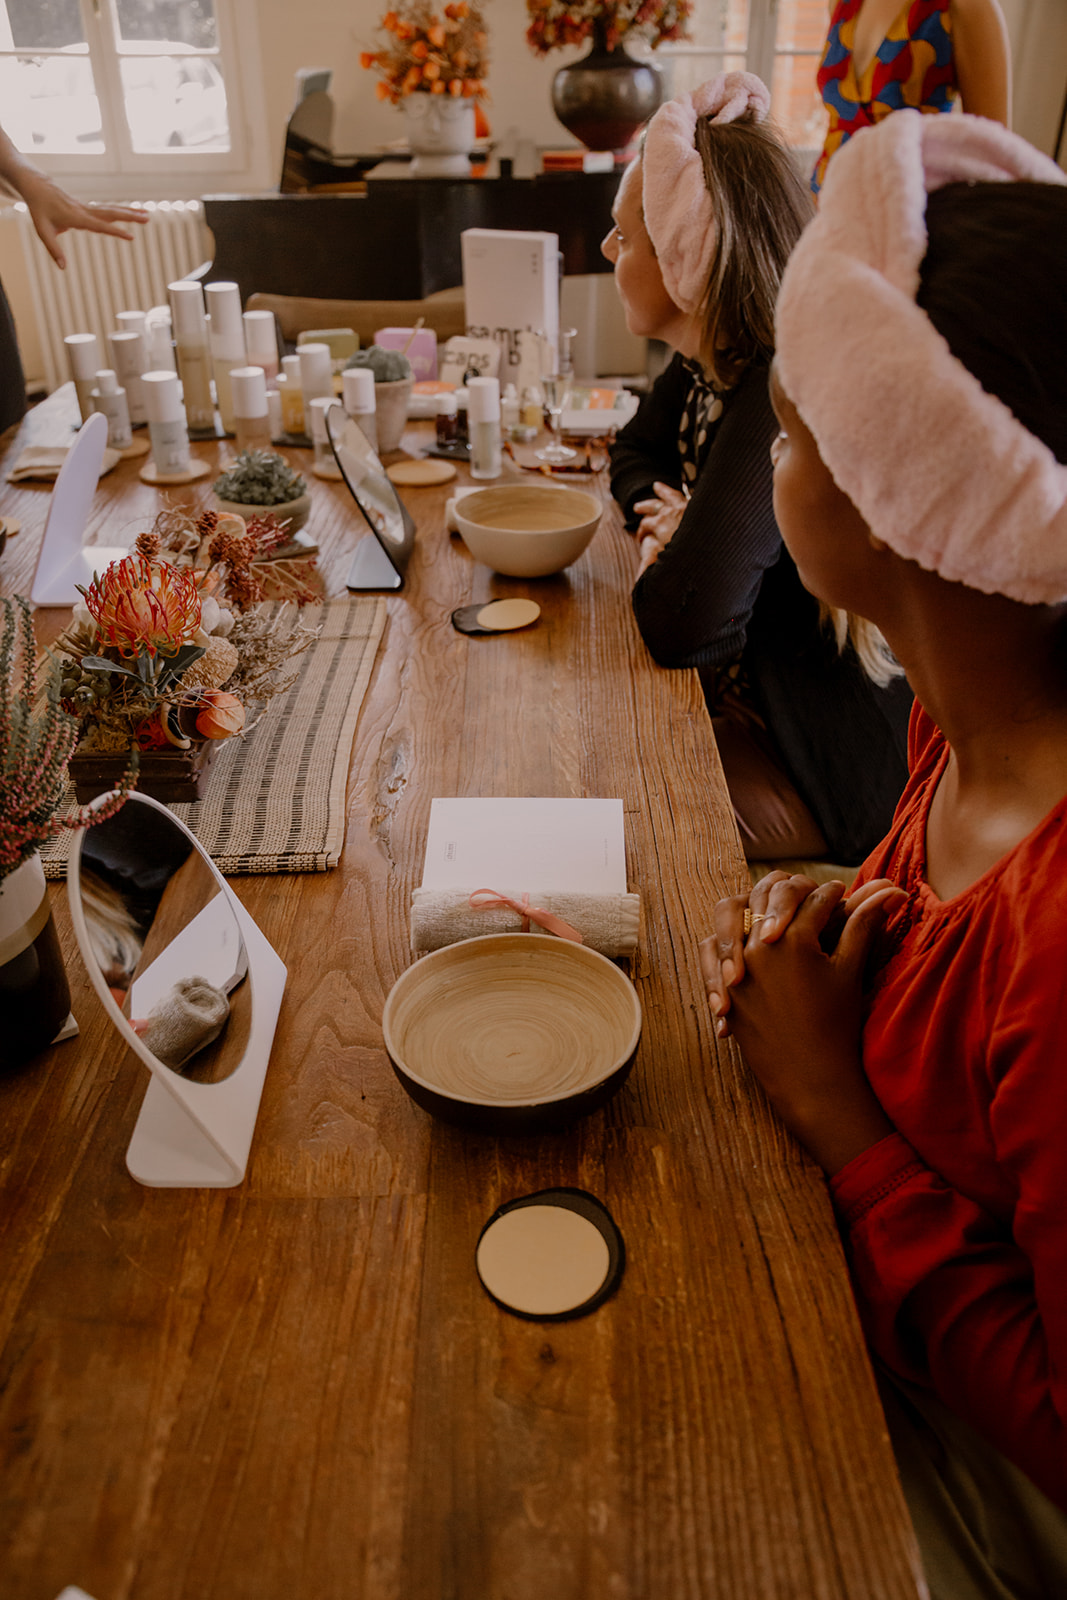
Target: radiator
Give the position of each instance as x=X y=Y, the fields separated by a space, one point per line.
x=104 y=275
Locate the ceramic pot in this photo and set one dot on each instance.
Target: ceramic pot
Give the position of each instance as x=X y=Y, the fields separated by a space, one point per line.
x=34 y=994
x=296 y=511
x=604 y=98
x=391 y=406
x=440 y=135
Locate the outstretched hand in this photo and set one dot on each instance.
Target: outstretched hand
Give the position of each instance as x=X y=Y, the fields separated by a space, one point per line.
x=792 y=989
x=54 y=211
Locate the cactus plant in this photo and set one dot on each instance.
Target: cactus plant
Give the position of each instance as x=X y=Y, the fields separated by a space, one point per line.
x=388 y=366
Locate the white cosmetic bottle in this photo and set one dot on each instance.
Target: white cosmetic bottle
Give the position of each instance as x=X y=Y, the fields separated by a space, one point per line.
x=261 y=344
x=316 y=372
x=129 y=361
x=194 y=359
x=110 y=400
x=83 y=353
x=484 y=413
x=226 y=336
x=251 y=414
x=360 y=403
x=166 y=423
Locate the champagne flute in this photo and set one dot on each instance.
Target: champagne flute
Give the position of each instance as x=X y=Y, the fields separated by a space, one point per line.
x=556 y=388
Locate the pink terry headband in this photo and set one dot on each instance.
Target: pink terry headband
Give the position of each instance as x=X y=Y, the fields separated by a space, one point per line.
x=677 y=205
x=940 y=470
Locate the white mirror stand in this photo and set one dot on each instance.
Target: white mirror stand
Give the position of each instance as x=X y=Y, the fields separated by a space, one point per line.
x=64 y=560
x=194 y=1135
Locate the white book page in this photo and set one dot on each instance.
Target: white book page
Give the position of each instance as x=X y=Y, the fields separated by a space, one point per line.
x=515 y=845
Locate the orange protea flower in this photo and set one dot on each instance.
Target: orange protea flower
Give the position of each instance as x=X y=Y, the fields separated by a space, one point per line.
x=144 y=605
x=420 y=50
x=389 y=22
x=457 y=12
x=367 y=58
x=382 y=90
x=436 y=36
x=431 y=71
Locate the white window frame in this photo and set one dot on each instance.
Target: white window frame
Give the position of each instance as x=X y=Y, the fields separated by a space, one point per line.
x=120 y=172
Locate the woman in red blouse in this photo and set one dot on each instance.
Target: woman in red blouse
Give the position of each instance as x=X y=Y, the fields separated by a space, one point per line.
x=914 y=1034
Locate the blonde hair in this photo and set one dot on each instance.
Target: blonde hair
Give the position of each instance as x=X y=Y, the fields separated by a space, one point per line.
x=872 y=652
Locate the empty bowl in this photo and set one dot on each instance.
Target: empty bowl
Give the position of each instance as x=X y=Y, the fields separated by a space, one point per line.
x=527 y=530
x=512 y=1032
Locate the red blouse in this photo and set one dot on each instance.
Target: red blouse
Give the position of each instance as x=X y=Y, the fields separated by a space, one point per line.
x=956 y=1225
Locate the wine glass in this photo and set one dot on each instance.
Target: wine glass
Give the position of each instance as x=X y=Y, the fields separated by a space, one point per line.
x=556 y=388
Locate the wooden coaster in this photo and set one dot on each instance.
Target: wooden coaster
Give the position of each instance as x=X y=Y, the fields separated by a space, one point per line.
x=495 y=616
x=552 y=1255
x=331 y=474
x=420 y=474
x=9 y=526
x=139 y=447
x=197 y=469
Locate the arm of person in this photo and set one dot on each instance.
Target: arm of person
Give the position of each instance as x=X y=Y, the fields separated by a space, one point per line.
x=970 y=1304
x=983 y=58
x=52 y=210
x=645 y=451
x=693 y=603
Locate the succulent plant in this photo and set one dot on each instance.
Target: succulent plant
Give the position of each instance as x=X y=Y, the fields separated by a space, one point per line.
x=260 y=478
x=388 y=366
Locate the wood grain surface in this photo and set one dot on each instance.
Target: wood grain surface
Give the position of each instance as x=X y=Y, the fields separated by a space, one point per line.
x=297 y=1389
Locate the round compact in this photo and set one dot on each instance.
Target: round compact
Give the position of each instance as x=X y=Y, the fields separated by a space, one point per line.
x=551 y=1256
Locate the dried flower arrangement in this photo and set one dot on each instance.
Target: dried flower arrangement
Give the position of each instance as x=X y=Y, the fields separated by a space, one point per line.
x=37 y=739
x=430 y=53
x=170 y=646
x=556 y=23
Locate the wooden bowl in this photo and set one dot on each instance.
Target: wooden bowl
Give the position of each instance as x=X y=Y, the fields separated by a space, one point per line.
x=527 y=530
x=512 y=1033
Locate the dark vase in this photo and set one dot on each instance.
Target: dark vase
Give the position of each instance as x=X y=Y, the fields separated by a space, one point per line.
x=34 y=995
x=604 y=98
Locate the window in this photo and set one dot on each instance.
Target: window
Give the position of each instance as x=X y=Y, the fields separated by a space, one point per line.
x=780 y=40
x=124 y=86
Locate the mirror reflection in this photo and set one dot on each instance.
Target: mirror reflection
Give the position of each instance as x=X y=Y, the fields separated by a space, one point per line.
x=166 y=941
x=366 y=478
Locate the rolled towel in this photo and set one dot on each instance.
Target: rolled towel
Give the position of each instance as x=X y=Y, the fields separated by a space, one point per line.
x=608 y=923
x=184 y=1021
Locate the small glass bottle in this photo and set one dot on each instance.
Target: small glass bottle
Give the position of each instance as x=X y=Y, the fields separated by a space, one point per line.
x=110 y=400
x=533 y=407
x=227 y=340
x=463 y=433
x=251 y=416
x=83 y=353
x=166 y=423
x=128 y=361
x=446 y=421
x=509 y=411
x=293 y=418
x=194 y=359
x=325 y=463
x=261 y=343
x=361 y=402
x=485 y=427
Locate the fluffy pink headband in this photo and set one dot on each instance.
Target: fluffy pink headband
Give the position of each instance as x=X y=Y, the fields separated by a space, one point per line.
x=939 y=469
x=677 y=205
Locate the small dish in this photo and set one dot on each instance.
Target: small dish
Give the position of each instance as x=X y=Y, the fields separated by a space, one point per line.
x=512 y=1033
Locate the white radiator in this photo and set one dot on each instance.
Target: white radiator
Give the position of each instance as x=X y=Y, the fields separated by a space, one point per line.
x=104 y=275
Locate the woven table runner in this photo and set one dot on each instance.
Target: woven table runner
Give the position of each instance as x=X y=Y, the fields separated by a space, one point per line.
x=275 y=802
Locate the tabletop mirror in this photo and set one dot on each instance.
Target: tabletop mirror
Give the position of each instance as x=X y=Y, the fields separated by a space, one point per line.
x=381 y=556
x=189 y=981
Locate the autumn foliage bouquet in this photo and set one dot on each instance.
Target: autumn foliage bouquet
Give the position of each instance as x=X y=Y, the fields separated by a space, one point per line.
x=556 y=23
x=172 y=646
x=430 y=52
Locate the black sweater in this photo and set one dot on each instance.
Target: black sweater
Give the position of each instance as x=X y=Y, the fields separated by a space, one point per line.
x=725 y=586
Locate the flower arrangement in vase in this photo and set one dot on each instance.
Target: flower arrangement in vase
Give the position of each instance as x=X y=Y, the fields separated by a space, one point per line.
x=604 y=98
x=433 y=64
x=172 y=647
x=37 y=739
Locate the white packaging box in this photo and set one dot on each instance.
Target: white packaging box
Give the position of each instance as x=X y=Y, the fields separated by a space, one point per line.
x=511 y=284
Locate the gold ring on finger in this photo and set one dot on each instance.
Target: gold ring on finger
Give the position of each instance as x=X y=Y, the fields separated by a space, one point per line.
x=750 y=918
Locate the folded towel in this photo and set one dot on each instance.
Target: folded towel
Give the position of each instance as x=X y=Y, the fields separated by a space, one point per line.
x=184 y=1021
x=43 y=461
x=608 y=923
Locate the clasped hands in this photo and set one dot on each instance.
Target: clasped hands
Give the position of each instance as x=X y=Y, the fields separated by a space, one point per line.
x=791 y=991
x=660 y=517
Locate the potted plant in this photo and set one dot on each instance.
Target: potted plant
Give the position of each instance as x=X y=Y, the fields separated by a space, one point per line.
x=171 y=649
x=433 y=65
x=392 y=391
x=606 y=96
x=262 y=480
x=37 y=738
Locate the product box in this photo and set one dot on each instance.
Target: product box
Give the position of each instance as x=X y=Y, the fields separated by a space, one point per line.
x=511 y=284
x=421 y=348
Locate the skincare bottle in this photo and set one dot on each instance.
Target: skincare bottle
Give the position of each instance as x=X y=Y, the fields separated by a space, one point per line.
x=166 y=423
x=83 y=353
x=533 y=407
x=128 y=360
x=360 y=401
x=226 y=336
x=325 y=463
x=484 y=427
x=109 y=399
x=194 y=361
x=130 y=322
x=316 y=372
x=446 y=421
x=251 y=416
x=159 y=340
x=463 y=433
x=509 y=410
x=261 y=344
x=293 y=419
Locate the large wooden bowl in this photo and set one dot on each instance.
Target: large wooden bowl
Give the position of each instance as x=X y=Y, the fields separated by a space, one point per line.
x=512 y=1033
x=527 y=530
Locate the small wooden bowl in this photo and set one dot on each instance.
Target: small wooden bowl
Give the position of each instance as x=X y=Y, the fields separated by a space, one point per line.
x=512 y=1033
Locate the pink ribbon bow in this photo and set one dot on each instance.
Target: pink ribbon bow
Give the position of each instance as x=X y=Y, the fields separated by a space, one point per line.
x=528 y=913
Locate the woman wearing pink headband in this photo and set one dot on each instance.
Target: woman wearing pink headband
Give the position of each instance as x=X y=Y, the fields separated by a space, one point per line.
x=912 y=1034
x=814 y=752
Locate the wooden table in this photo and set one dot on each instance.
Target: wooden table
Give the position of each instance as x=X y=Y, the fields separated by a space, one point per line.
x=296 y=1389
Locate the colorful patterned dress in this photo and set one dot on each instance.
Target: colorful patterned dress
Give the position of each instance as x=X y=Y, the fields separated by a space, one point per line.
x=913 y=66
